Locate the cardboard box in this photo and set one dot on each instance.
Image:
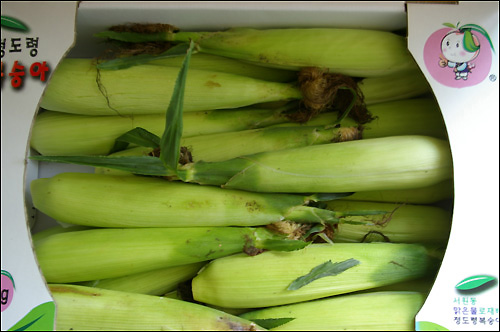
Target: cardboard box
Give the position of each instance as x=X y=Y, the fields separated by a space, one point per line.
x=469 y=110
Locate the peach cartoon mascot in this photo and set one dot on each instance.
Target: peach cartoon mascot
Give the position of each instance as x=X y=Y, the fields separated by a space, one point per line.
x=459 y=47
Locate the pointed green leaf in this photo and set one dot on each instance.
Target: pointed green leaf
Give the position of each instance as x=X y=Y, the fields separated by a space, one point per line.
x=271 y=323
x=138 y=136
x=170 y=141
x=449 y=25
x=126 y=62
x=13 y=23
x=473 y=282
x=142 y=165
x=323 y=270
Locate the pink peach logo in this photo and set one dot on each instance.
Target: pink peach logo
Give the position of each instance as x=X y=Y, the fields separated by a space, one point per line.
x=7 y=289
x=459 y=56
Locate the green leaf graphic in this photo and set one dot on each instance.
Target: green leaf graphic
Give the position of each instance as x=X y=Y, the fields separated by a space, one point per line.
x=429 y=326
x=40 y=318
x=473 y=282
x=13 y=23
x=449 y=25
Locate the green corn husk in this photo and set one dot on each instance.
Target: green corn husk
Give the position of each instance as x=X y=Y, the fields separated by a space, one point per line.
x=407 y=223
x=82 y=308
x=113 y=252
x=353 y=52
x=425 y=195
x=76 y=88
x=224 y=146
x=421 y=285
x=404 y=85
x=239 y=281
x=131 y=201
x=57 y=133
x=388 y=163
x=405 y=117
x=375 y=311
x=419 y=116
x=39 y=237
x=154 y=282
x=135 y=151
x=227 y=65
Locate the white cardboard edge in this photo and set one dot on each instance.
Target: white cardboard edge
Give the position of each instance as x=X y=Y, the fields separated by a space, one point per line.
x=18 y=109
x=471 y=116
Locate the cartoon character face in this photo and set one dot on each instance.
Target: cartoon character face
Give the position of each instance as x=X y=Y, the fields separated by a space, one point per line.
x=453 y=48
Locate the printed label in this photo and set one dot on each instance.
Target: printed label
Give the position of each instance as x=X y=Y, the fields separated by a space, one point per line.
x=17 y=71
x=7 y=289
x=459 y=56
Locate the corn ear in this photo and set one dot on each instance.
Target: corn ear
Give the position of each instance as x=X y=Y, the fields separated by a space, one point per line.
x=228 y=145
x=421 y=285
x=425 y=195
x=240 y=281
x=217 y=63
x=76 y=87
x=419 y=116
x=364 y=52
x=101 y=200
x=57 y=133
x=405 y=224
x=223 y=146
x=375 y=311
x=109 y=253
x=353 y=52
x=387 y=163
x=83 y=308
x=154 y=282
x=403 y=85
x=39 y=237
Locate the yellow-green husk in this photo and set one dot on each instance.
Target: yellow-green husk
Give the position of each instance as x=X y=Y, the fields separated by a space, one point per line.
x=115 y=252
x=387 y=163
x=154 y=282
x=76 y=88
x=405 y=224
x=375 y=311
x=81 y=308
x=240 y=281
